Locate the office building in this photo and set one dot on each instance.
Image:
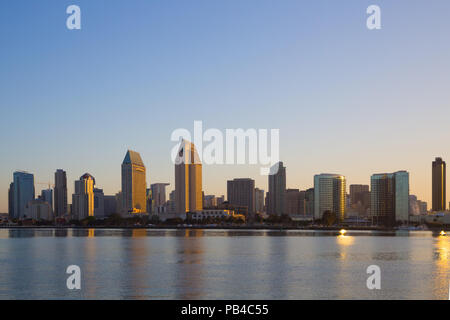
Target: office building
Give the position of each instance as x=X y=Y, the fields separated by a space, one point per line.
x=241 y=193
x=83 y=198
x=390 y=197
x=134 y=187
x=188 y=179
x=438 y=185
x=329 y=195
x=60 y=194
x=259 y=200
x=277 y=189
x=23 y=192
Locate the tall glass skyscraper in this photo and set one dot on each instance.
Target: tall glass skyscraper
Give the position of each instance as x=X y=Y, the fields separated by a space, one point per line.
x=329 y=195
x=23 y=192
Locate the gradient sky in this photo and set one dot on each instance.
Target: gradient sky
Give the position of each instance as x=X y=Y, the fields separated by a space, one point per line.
x=346 y=99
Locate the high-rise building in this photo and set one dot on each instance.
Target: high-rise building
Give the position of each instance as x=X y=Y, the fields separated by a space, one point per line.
x=39 y=210
x=23 y=192
x=329 y=195
x=99 y=203
x=295 y=202
x=438 y=184
x=309 y=202
x=359 y=198
x=158 y=194
x=241 y=193
x=259 y=200
x=110 y=204
x=11 y=200
x=209 y=201
x=60 y=193
x=47 y=196
x=83 y=198
x=277 y=189
x=188 y=179
x=390 y=197
x=134 y=187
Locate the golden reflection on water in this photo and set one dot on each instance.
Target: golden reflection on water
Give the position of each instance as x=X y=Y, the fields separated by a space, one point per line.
x=345 y=241
x=91 y=233
x=138 y=233
x=442 y=267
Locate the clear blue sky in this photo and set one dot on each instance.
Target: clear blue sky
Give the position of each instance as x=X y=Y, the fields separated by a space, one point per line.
x=346 y=99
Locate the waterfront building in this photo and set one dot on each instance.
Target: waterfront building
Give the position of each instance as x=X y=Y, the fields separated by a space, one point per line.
x=60 y=204
x=277 y=189
x=23 y=192
x=99 y=203
x=134 y=187
x=38 y=210
x=390 y=197
x=241 y=193
x=329 y=195
x=83 y=198
x=438 y=185
x=188 y=179
x=259 y=200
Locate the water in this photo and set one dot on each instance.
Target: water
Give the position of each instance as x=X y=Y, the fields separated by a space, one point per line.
x=222 y=264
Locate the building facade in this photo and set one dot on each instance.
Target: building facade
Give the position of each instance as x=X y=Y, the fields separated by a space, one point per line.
x=241 y=193
x=438 y=185
x=23 y=192
x=134 y=186
x=188 y=179
x=259 y=200
x=60 y=194
x=329 y=195
x=277 y=189
x=390 y=197
x=83 y=198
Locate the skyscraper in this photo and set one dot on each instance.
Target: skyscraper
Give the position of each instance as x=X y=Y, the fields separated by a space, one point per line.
x=295 y=202
x=241 y=193
x=134 y=186
x=259 y=200
x=188 y=179
x=60 y=193
x=11 y=200
x=23 y=192
x=277 y=189
x=99 y=203
x=359 y=198
x=83 y=198
x=329 y=195
x=438 y=184
x=47 y=196
x=390 y=197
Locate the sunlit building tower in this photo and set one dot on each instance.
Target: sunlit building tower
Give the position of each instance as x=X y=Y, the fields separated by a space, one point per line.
x=23 y=192
x=438 y=184
x=83 y=198
x=277 y=189
x=134 y=187
x=60 y=204
x=188 y=179
x=241 y=193
x=329 y=195
x=390 y=197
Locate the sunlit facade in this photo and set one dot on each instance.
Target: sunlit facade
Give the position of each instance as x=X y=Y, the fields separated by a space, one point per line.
x=83 y=198
x=134 y=186
x=188 y=179
x=329 y=195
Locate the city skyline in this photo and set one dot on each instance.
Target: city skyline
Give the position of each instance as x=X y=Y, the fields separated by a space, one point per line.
x=346 y=99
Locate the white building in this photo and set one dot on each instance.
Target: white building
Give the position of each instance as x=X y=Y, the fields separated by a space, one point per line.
x=38 y=210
